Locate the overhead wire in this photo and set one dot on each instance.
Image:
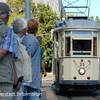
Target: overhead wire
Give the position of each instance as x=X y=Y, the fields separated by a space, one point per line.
x=83 y=12
x=87 y=6
x=71 y=4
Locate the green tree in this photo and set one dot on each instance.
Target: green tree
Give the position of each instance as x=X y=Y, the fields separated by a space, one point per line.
x=47 y=20
x=97 y=19
x=91 y=17
x=17 y=8
x=45 y=17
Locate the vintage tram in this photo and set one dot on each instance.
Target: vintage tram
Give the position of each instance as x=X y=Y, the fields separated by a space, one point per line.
x=76 y=56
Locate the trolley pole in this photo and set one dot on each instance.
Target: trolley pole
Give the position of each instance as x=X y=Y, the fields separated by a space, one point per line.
x=27 y=9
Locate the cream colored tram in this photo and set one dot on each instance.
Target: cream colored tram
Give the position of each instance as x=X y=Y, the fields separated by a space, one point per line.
x=76 y=57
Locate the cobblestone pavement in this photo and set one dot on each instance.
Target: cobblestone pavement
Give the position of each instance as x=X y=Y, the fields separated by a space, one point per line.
x=48 y=92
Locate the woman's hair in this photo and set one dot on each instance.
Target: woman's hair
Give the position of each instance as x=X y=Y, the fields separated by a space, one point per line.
x=32 y=26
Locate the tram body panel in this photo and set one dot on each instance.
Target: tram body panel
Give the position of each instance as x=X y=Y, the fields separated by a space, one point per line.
x=77 y=53
x=70 y=68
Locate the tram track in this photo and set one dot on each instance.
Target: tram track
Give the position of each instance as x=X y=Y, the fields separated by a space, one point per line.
x=50 y=94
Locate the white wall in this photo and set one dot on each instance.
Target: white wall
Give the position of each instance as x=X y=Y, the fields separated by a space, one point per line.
x=3 y=1
x=55 y=5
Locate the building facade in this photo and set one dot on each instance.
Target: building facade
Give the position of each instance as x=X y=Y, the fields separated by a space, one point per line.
x=55 y=5
x=3 y=1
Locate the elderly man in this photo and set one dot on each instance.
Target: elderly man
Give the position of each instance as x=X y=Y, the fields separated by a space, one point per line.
x=8 y=48
x=32 y=46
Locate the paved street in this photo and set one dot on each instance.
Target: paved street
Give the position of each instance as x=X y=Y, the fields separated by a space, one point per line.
x=48 y=92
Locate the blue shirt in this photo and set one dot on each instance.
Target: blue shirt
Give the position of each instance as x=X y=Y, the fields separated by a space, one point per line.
x=41 y=58
x=33 y=48
x=10 y=42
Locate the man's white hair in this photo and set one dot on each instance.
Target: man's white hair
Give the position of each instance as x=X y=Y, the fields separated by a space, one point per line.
x=19 y=24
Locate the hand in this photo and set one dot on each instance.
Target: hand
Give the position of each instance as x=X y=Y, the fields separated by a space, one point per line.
x=2 y=53
x=44 y=74
x=18 y=84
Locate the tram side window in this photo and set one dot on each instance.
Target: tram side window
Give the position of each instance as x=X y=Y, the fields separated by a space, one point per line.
x=94 y=46
x=80 y=46
x=67 y=46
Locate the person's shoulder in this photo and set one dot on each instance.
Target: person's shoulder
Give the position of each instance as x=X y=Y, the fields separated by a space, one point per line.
x=41 y=50
x=10 y=30
x=32 y=37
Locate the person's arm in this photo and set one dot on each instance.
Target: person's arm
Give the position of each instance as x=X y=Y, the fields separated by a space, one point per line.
x=42 y=64
x=44 y=70
x=2 y=53
x=4 y=47
x=31 y=49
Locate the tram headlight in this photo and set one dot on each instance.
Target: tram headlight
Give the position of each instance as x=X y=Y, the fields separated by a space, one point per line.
x=81 y=71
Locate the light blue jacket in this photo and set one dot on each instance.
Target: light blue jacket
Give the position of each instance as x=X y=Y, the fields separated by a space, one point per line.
x=32 y=46
x=10 y=44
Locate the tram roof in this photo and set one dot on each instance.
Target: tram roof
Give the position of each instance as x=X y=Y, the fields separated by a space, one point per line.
x=77 y=24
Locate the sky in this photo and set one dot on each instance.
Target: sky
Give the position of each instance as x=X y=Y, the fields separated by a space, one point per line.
x=94 y=6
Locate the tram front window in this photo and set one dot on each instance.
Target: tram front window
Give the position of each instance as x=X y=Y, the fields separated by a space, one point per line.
x=81 y=47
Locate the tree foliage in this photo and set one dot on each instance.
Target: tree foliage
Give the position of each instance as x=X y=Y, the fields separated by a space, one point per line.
x=95 y=18
x=45 y=17
x=47 y=21
x=17 y=8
